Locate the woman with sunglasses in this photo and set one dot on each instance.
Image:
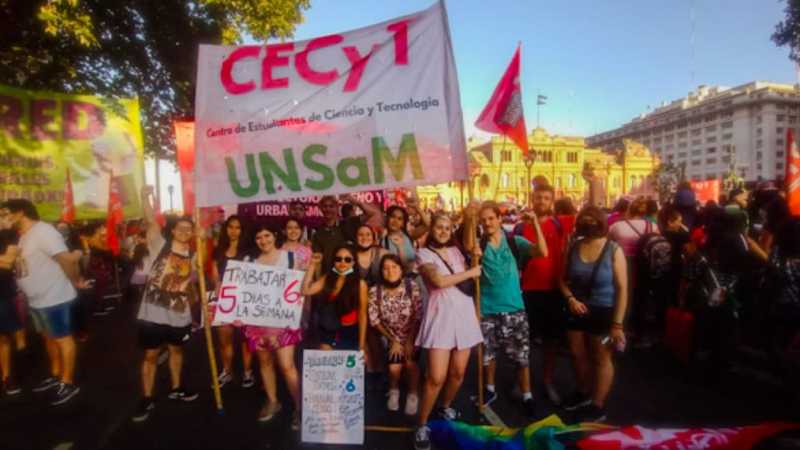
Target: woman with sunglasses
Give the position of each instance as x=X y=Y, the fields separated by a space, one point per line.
x=270 y=344
x=231 y=246
x=395 y=310
x=341 y=305
x=449 y=326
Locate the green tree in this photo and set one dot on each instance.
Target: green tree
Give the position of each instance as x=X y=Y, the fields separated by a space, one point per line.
x=787 y=32
x=125 y=48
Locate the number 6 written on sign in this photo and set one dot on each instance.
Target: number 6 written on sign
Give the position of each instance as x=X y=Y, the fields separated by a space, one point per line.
x=292 y=296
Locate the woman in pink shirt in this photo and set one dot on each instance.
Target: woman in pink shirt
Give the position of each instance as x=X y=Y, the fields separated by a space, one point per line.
x=627 y=231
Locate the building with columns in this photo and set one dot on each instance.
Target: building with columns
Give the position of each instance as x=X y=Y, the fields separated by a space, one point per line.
x=715 y=132
x=499 y=171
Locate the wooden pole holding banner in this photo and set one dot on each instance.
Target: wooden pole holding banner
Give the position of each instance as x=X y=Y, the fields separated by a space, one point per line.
x=201 y=247
x=476 y=241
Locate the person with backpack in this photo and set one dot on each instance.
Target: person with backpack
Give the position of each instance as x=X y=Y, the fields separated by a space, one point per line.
x=165 y=317
x=275 y=345
x=504 y=322
x=544 y=303
x=395 y=310
x=633 y=233
x=784 y=285
x=594 y=283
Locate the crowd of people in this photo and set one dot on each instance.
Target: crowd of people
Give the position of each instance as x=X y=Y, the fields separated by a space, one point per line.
x=400 y=286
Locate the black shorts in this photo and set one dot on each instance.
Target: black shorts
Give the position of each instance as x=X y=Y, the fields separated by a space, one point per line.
x=346 y=338
x=547 y=313
x=596 y=322
x=154 y=335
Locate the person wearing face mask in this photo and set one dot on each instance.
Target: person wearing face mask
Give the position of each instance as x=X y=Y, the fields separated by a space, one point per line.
x=449 y=327
x=594 y=283
x=341 y=306
x=395 y=310
x=336 y=230
x=275 y=345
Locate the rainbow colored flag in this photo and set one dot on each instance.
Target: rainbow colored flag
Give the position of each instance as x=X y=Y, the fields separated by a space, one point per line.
x=541 y=435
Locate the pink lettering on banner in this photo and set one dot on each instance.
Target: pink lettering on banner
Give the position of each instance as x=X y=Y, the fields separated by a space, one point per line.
x=278 y=55
x=305 y=70
x=274 y=59
x=226 y=71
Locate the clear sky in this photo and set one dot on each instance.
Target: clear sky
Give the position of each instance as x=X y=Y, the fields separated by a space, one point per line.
x=600 y=62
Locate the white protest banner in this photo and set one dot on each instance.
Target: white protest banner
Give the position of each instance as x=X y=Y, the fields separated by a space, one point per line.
x=255 y=294
x=369 y=109
x=333 y=397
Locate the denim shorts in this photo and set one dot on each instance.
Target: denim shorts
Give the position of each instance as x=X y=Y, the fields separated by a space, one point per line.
x=54 y=321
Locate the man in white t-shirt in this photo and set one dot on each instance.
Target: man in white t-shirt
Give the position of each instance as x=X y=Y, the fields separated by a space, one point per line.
x=48 y=274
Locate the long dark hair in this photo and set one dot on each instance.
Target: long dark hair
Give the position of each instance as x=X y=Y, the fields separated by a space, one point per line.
x=404 y=229
x=348 y=297
x=225 y=241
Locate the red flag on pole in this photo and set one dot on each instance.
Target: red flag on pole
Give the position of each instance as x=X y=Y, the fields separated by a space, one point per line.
x=68 y=207
x=115 y=214
x=792 y=181
x=503 y=114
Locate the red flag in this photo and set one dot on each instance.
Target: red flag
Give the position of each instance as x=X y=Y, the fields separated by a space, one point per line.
x=184 y=144
x=640 y=438
x=68 y=208
x=503 y=114
x=792 y=174
x=115 y=214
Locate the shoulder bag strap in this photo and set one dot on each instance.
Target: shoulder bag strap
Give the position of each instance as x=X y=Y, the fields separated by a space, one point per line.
x=443 y=260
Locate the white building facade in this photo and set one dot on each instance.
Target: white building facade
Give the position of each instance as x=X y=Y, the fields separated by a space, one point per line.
x=716 y=129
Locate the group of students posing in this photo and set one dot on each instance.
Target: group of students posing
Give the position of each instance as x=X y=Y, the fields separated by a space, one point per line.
x=406 y=288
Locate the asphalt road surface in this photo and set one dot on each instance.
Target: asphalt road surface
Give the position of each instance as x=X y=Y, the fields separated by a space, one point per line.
x=651 y=389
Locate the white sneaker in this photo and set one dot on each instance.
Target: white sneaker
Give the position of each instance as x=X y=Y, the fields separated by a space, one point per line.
x=224 y=378
x=552 y=394
x=412 y=404
x=393 y=404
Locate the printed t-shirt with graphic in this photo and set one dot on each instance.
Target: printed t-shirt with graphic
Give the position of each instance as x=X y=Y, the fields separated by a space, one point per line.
x=500 y=290
x=542 y=273
x=40 y=276
x=169 y=291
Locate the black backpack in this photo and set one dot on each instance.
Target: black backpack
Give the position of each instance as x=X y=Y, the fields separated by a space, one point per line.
x=512 y=245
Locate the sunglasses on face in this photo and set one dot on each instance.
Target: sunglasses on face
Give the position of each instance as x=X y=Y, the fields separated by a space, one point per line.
x=346 y=259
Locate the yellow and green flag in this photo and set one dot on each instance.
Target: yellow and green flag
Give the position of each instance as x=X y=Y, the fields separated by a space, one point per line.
x=42 y=134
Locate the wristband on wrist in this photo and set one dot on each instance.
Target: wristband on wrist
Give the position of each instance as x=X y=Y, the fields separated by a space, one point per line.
x=616 y=325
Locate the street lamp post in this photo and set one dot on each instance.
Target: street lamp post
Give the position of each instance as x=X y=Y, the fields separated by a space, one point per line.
x=530 y=158
x=170 y=190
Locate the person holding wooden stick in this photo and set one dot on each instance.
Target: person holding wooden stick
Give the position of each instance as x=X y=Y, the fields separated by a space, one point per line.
x=449 y=326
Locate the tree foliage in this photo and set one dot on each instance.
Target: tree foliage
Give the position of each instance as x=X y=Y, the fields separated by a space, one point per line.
x=787 y=32
x=125 y=48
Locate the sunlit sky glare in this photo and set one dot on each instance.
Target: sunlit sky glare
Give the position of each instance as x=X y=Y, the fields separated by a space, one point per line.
x=600 y=62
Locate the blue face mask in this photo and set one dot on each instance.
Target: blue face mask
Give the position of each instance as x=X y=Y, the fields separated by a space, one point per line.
x=345 y=273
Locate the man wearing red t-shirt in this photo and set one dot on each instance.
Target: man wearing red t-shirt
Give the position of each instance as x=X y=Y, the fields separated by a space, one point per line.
x=544 y=303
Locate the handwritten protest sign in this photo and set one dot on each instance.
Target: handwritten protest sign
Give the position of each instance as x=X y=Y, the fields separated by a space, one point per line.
x=255 y=294
x=369 y=109
x=333 y=397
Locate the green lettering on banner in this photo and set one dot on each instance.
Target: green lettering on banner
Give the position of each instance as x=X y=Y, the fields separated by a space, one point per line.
x=360 y=164
x=288 y=176
x=326 y=172
x=238 y=189
x=408 y=151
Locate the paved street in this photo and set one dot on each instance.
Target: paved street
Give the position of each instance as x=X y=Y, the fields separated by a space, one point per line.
x=650 y=390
